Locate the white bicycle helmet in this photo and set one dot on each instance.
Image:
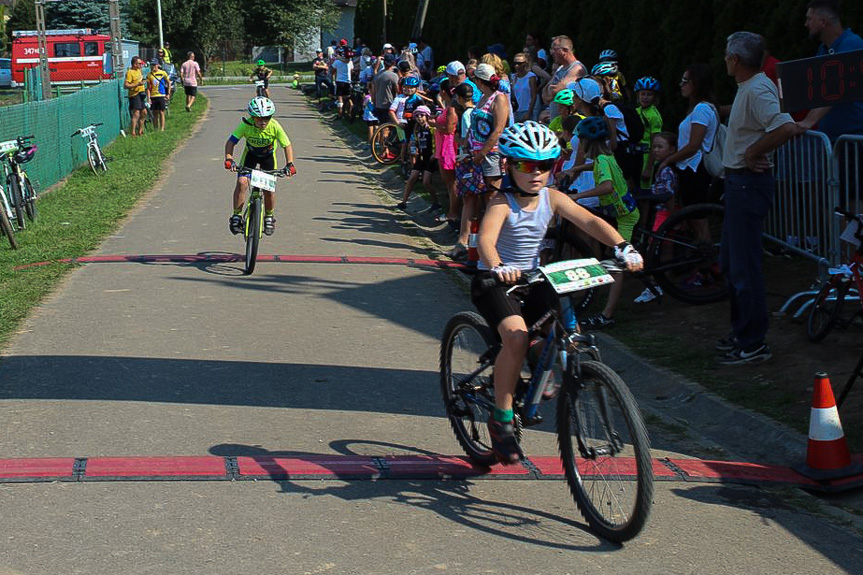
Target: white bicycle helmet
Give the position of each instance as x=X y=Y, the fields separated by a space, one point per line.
x=529 y=141
x=261 y=107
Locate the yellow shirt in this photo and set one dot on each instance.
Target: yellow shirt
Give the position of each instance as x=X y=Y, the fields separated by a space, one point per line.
x=158 y=84
x=134 y=76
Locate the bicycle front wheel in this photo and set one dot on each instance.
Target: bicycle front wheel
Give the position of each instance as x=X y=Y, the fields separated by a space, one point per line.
x=605 y=452
x=466 y=386
x=826 y=309
x=253 y=234
x=93 y=159
x=386 y=144
x=683 y=256
x=30 y=200
x=17 y=200
x=6 y=227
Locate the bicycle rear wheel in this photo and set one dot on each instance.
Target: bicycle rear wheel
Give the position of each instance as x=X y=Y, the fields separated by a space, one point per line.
x=6 y=228
x=605 y=451
x=683 y=256
x=17 y=200
x=826 y=309
x=93 y=159
x=253 y=234
x=466 y=386
x=386 y=144
x=30 y=200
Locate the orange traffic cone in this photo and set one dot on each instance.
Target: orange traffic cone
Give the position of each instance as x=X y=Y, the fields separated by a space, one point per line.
x=827 y=455
x=472 y=252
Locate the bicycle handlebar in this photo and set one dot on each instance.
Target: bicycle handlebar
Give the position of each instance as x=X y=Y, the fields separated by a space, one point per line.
x=535 y=277
x=79 y=130
x=280 y=173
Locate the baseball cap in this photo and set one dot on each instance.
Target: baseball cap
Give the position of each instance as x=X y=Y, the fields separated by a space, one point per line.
x=343 y=42
x=586 y=89
x=387 y=46
x=154 y=62
x=454 y=68
x=497 y=50
x=484 y=71
x=422 y=110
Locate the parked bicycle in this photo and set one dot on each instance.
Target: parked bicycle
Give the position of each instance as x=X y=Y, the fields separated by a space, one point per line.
x=388 y=144
x=681 y=256
x=253 y=212
x=603 y=442
x=97 y=160
x=6 y=218
x=845 y=284
x=13 y=155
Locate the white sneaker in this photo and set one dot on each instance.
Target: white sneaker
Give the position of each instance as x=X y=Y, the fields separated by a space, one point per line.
x=647 y=295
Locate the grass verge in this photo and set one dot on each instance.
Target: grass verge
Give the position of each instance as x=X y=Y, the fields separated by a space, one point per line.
x=80 y=212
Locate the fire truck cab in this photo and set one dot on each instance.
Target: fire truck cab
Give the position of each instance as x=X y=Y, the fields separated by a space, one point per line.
x=73 y=55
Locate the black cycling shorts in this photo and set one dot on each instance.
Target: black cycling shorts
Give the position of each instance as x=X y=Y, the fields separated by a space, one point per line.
x=260 y=162
x=343 y=88
x=158 y=103
x=425 y=164
x=493 y=303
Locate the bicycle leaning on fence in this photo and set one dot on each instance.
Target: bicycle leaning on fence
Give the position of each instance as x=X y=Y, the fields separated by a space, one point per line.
x=681 y=256
x=7 y=228
x=13 y=155
x=97 y=160
x=845 y=283
x=603 y=442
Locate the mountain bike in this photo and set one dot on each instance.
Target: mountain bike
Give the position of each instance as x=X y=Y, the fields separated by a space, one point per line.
x=845 y=283
x=681 y=256
x=14 y=154
x=6 y=217
x=253 y=212
x=603 y=442
x=97 y=160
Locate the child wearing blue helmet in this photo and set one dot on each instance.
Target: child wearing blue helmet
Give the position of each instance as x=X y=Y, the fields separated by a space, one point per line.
x=510 y=239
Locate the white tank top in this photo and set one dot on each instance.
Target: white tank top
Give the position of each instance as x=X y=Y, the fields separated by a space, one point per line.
x=522 y=233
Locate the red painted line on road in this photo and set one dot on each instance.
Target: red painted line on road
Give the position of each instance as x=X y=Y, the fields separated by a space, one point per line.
x=392 y=467
x=228 y=258
x=169 y=467
x=43 y=468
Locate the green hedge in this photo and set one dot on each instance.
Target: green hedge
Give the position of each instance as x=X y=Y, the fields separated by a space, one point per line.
x=655 y=38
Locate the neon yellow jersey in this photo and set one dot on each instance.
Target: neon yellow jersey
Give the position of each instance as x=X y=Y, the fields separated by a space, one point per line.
x=261 y=142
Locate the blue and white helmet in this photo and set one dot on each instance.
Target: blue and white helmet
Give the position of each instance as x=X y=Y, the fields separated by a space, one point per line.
x=529 y=141
x=604 y=69
x=261 y=107
x=608 y=56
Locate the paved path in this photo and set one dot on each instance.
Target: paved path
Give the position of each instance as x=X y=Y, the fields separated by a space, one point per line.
x=194 y=359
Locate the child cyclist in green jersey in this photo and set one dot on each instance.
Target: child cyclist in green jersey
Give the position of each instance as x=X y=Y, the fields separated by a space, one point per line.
x=261 y=72
x=263 y=134
x=647 y=92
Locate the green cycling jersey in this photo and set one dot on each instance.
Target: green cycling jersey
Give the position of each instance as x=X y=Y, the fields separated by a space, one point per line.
x=260 y=142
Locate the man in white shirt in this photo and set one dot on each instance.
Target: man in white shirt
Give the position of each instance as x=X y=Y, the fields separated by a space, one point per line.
x=342 y=69
x=756 y=127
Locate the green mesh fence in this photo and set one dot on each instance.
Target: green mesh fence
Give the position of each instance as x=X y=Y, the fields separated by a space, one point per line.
x=50 y=122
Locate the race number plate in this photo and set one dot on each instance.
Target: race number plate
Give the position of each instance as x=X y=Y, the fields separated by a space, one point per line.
x=259 y=82
x=576 y=275
x=87 y=132
x=9 y=146
x=263 y=181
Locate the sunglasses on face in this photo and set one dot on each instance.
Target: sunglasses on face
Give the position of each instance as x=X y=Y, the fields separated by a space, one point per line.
x=530 y=166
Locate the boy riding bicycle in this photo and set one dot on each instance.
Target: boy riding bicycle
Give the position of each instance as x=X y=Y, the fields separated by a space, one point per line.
x=509 y=243
x=262 y=73
x=262 y=134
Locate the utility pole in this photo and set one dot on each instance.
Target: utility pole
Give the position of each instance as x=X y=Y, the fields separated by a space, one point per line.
x=159 y=14
x=116 y=37
x=420 y=19
x=42 y=42
x=384 y=34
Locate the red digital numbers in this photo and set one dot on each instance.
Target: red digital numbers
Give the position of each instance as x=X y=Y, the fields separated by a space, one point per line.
x=839 y=70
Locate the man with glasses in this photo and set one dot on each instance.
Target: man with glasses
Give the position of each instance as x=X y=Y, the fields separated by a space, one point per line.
x=568 y=70
x=134 y=83
x=523 y=88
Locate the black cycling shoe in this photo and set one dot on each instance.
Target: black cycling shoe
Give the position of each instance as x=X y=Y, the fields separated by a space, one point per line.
x=503 y=442
x=235 y=223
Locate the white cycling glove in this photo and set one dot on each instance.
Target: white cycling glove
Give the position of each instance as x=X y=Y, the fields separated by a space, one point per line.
x=501 y=271
x=628 y=255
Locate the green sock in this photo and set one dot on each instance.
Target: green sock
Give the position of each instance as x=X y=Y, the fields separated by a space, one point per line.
x=269 y=212
x=238 y=211
x=502 y=415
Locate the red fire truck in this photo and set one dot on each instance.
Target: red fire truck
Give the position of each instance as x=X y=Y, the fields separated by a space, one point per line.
x=73 y=55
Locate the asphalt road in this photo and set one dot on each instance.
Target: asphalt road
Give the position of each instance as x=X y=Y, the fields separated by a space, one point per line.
x=161 y=359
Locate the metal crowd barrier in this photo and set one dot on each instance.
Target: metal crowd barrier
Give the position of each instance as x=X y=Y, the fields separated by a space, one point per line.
x=813 y=177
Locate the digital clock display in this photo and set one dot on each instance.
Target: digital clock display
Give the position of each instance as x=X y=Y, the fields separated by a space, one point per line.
x=823 y=81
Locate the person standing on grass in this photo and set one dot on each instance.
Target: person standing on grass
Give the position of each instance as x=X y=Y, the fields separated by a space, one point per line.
x=190 y=73
x=134 y=83
x=756 y=127
x=158 y=93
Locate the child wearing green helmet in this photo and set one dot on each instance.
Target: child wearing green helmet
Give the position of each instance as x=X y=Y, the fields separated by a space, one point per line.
x=565 y=100
x=647 y=96
x=262 y=73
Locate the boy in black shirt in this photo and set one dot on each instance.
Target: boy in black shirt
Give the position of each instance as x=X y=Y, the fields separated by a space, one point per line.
x=422 y=150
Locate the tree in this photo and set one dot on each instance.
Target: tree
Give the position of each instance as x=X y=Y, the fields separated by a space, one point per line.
x=71 y=14
x=22 y=16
